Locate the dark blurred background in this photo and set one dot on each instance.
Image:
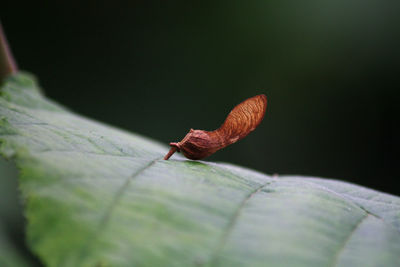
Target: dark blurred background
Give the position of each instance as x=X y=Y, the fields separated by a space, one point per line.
x=330 y=70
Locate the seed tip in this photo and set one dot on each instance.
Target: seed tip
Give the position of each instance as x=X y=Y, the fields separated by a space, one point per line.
x=170 y=152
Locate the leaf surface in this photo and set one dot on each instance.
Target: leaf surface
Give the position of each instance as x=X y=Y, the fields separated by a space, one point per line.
x=99 y=196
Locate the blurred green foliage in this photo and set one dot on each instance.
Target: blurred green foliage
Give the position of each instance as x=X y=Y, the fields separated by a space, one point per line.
x=13 y=251
x=9 y=200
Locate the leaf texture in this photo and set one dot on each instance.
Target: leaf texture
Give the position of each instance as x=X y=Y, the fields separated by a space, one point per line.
x=99 y=196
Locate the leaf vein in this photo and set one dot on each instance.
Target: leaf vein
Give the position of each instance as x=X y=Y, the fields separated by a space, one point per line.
x=347 y=199
x=346 y=241
x=108 y=213
x=232 y=222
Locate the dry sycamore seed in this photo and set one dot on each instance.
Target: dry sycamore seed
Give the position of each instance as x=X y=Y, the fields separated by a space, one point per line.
x=242 y=120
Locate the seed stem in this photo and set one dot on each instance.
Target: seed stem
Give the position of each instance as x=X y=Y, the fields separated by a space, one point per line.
x=7 y=63
x=170 y=152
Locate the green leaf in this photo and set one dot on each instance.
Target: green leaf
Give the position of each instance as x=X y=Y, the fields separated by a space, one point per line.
x=98 y=196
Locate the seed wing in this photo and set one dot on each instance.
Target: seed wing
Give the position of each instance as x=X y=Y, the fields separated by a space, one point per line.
x=243 y=119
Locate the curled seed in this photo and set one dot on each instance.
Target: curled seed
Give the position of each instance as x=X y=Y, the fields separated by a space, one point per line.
x=242 y=120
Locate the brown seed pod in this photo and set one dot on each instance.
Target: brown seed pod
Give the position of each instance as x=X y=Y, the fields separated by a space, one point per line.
x=242 y=120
